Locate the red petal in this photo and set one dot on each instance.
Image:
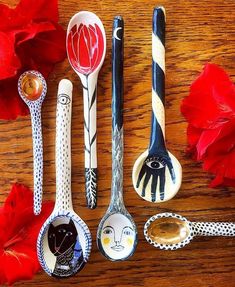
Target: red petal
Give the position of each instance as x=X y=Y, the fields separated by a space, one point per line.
x=10 y=63
x=20 y=228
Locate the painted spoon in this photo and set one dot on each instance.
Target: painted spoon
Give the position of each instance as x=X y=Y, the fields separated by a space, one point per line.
x=170 y=231
x=157 y=174
x=32 y=88
x=64 y=241
x=117 y=233
x=86 y=48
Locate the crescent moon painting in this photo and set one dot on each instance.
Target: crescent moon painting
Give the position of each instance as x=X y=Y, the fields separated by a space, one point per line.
x=115 y=33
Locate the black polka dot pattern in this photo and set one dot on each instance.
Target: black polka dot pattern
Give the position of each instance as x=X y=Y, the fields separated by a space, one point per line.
x=213 y=228
x=63 y=152
x=35 y=111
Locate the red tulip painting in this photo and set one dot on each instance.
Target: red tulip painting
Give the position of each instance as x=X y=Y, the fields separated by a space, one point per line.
x=85 y=46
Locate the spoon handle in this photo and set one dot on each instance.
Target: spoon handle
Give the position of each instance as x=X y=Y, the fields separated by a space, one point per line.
x=89 y=83
x=35 y=112
x=63 y=146
x=213 y=228
x=117 y=111
x=158 y=81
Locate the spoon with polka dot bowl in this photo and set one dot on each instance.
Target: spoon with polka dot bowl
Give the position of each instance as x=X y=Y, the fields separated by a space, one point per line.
x=32 y=89
x=64 y=241
x=117 y=232
x=157 y=174
x=170 y=231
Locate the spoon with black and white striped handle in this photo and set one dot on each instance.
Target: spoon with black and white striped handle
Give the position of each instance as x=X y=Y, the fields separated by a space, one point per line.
x=157 y=174
x=170 y=231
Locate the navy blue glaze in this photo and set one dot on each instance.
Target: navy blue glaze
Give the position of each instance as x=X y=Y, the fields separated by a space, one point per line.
x=158 y=159
x=117 y=72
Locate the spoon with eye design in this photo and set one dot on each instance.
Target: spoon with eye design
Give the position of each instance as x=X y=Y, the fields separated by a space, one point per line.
x=64 y=241
x=86 y=48
x=32 y=88
x=157 y=174
x=117 y=232
x=170 y=231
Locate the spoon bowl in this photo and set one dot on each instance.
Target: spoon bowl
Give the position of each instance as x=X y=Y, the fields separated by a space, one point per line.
x=86 y=48
x=64 y=241
x=32 y=88
x=170 y=231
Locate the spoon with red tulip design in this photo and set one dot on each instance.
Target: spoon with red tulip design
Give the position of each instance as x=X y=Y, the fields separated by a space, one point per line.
x=86 y=48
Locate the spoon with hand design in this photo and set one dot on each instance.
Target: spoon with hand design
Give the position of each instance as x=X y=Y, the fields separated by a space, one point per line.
x=32 y=88
x=64 y=241
x=157 y=174
x=117 y=233
x=86 y=48
x=170 y=231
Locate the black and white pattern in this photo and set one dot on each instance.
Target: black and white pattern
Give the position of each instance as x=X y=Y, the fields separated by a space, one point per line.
x=157 y=173
x=194 y=228
x=63 y=213
x=90 y=131
x=35 y=111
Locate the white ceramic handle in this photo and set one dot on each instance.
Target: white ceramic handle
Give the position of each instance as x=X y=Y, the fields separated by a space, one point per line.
x=63 y=146
x=37 y=156
x=213 y=228
x=89 y=83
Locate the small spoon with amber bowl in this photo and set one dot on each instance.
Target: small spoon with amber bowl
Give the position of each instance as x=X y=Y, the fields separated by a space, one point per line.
x=32 y=88
x=170 y=231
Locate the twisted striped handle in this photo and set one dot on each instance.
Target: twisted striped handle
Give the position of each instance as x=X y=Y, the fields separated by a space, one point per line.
x=158 y=81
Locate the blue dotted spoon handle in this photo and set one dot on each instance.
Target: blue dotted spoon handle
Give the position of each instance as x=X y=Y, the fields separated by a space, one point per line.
x=63 y=146
x=213 y=228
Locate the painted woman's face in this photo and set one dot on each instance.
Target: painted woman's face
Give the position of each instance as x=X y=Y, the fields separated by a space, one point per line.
x=118 y=237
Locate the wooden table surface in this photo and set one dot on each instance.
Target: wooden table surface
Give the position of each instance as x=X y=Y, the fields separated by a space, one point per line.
x=197 y=32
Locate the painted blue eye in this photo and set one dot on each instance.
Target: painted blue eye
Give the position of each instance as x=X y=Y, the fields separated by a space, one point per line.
x=154 y=163
x=107 y=231
x=127 y=232
x=64 y=99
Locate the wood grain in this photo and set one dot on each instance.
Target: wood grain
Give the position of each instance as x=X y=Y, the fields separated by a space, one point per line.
x=197 y=32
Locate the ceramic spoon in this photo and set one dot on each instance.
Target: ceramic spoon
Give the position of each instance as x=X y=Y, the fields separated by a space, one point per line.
x=32 y=88
x=117 y=233
x=64 y=241
x=157 y=173
x=171 y=231
x=86 y=47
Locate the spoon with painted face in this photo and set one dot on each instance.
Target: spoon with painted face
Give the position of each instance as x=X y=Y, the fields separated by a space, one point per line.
x=170 y=231
x=117 y=233
x=86 y=48
x=157 y=174
x=32 y=88
x=64 y=241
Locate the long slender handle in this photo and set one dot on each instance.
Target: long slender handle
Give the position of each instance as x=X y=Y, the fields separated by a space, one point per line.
x=35 y=112
x=117 y=110
x=89 y=83
x=213 y=228
x=63 y=146
x=158 y=80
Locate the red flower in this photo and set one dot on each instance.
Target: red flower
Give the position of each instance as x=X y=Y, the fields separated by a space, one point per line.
x=85 y=47
x=19 y=229
x=210 y=112
x=30 y=39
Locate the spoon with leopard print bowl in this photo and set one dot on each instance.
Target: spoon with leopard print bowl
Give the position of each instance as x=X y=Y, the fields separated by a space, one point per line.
x=64 y=241
x=170 y=231
x=32 y=88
